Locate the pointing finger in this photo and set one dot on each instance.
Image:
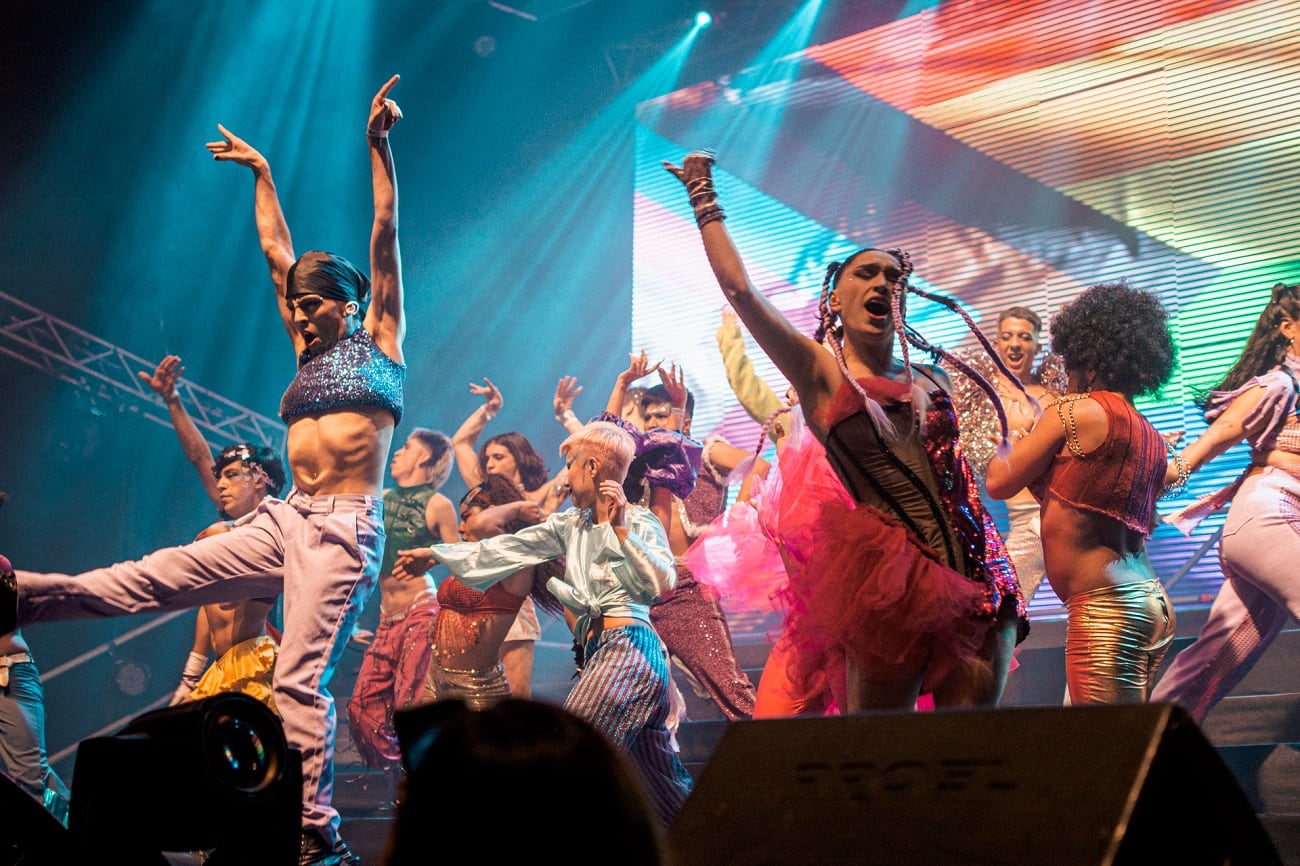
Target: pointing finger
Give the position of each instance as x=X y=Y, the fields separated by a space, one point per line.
x=388 y=85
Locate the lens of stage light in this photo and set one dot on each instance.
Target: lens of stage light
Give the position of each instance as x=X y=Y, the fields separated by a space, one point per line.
x=242 y=759
x=703 y=19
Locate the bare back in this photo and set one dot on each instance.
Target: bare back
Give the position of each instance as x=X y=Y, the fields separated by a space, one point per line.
x=1084 y=551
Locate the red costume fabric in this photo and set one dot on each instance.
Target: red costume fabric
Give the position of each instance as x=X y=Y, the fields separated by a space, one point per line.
x=914 y=574
x=1132 y=459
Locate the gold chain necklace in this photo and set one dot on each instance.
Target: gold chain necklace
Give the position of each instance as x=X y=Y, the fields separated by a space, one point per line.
x=1065 y=411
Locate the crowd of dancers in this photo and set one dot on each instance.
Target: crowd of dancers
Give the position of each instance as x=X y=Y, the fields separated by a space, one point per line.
x=868 y=532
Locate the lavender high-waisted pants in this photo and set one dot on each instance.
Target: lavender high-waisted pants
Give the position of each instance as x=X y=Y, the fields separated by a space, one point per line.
x=1261 y=587
x=323 y=552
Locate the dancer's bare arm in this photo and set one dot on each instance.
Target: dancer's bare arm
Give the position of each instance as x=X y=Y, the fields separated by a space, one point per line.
x=386 y=318
x=272 y=229
x=465 y=439
x=197 y=451
x=808 y=367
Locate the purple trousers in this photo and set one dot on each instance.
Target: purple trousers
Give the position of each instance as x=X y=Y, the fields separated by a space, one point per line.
x=323 y=552
x=694 y=629
x=1261 y=589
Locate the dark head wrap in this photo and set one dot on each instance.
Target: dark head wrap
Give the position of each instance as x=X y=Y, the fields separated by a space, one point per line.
x=329 y=276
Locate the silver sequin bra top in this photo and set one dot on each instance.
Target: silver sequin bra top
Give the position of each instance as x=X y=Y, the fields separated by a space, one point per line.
x=354 y=372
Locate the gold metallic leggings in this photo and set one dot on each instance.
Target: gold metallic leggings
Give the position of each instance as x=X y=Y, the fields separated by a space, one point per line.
x=1115 y=638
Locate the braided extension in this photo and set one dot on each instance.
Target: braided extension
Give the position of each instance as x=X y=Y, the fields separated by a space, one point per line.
x=767 y=425
x=898 y=305
x=971 y=373
x=982 y=383
x=974 y=329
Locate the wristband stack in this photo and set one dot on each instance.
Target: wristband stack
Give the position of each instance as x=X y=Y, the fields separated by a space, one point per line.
x=704 y=198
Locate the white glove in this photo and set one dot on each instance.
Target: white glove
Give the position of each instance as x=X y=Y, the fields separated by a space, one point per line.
x=194 y=667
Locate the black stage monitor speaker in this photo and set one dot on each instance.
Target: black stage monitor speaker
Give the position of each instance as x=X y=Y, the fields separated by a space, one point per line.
x=28 y=833
x=1065 y=786
x=214 y=775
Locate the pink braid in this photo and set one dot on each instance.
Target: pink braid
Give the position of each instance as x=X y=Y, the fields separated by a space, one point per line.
x=771 y=419
x=983 y=384
x=898 y=305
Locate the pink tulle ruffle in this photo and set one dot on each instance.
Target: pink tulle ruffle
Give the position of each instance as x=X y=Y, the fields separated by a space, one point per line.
x=870 y=593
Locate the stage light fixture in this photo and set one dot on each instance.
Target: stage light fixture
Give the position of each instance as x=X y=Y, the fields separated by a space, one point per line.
x=703 y=19
x=214 y=775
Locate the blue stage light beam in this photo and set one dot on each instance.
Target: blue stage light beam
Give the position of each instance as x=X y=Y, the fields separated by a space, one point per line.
x=563 y=226
x=763 y=86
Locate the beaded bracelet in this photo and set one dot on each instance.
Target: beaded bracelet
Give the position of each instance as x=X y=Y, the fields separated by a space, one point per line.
x=708 y=214
x=701 y=190
x=1184 y=473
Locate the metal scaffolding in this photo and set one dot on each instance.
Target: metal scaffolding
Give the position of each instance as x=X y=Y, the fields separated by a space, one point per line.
x=109 y=372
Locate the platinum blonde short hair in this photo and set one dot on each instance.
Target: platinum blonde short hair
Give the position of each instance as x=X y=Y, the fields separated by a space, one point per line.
x=611 y=446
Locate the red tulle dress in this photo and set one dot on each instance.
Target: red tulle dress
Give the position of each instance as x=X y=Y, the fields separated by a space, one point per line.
x=914 y=573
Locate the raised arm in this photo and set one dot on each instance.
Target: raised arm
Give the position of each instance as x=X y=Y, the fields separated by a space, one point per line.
x=464 y=440
x=807 y=366
x=638 y=367
x=386 y=318
x=272 y=230
x=756 y=397
x=163 y=382
x=565 y=390
x=1227 y=430
x=674 y=382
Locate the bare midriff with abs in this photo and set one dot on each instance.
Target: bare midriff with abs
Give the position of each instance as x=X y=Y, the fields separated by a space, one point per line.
x=341 y=451
x=233 y=622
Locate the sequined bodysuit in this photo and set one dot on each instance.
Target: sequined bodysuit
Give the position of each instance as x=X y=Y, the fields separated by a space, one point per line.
x=691 y=621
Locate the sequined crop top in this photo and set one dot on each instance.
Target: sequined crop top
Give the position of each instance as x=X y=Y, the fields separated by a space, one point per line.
x=353 y=372
x=454 y=595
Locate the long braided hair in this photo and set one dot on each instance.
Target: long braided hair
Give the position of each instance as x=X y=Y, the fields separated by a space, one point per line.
x=1266 y=347
x=830 y=333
